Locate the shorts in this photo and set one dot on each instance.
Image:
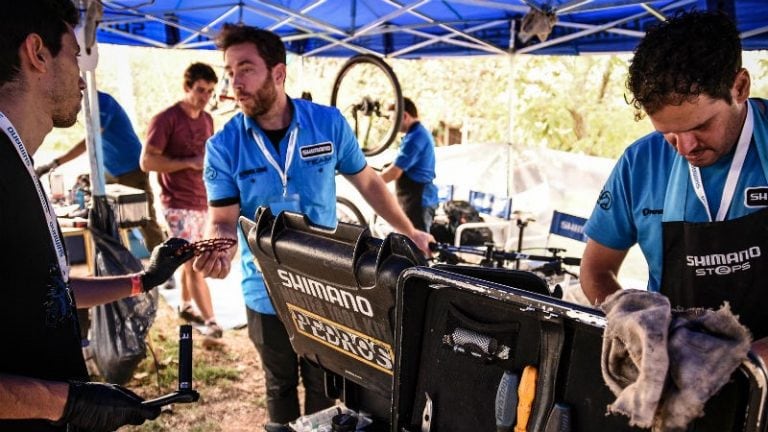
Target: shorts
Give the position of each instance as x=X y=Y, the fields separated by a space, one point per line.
x=186 y=224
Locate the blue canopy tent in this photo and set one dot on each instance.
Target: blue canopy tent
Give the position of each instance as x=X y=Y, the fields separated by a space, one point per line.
x=416 y=28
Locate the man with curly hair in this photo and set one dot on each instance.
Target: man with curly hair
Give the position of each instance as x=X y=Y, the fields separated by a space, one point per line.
x=693 y=194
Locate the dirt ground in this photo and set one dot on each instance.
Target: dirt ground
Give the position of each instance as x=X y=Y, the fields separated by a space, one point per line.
x=227 y=375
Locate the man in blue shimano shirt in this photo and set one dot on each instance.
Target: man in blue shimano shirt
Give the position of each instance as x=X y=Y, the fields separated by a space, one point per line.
x=693 y=194
x=122 y=149
x=283 y=153
x=414 y=169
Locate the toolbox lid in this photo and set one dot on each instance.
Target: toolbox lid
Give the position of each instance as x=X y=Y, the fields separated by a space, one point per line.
x=335 y=291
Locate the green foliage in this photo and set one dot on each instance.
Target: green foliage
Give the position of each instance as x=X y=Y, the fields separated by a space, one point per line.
x=575 y=104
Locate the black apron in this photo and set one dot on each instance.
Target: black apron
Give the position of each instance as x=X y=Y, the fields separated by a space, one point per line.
x=409 y=194
x=708 y=263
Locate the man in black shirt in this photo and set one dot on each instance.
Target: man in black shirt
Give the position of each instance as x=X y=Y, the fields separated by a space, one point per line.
x=42 y=373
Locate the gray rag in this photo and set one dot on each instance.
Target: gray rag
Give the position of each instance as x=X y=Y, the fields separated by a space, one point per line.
x=664 y=365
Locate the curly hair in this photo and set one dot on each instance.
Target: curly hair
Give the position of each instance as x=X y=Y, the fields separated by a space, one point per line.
x=48 y=18
x=269 y=45
x=688 y=55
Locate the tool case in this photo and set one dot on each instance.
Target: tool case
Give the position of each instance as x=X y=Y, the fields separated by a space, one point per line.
x=396 y=337
x=335 y=292
x=462 y=331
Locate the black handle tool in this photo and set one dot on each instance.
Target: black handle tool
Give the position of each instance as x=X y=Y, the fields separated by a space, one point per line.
x=185 y=393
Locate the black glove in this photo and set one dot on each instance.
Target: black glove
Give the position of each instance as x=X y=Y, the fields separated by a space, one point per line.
x=164 y=261
x=98 y=407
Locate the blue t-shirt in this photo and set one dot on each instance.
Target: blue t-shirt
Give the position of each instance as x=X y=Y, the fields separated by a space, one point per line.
x=416 y=158
x=236 y=171
x=630 y=208
x=121 y=146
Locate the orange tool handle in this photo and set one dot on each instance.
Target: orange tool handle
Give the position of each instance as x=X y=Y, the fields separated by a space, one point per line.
x=526 y=393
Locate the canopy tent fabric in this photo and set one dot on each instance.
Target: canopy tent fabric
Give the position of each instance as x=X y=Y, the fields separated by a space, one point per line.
x=417 y=28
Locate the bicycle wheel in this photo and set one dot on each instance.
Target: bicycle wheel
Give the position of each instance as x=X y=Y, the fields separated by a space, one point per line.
x=346 y=211
x=363 y=91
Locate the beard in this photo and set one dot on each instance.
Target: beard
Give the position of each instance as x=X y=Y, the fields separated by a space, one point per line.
x=65 y=118
x=261 y=102
x=66 y=102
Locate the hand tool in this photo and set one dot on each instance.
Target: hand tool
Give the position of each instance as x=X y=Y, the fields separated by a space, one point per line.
x=185 y=393
x=506 y=402
x=526 y=393
x=559 y=419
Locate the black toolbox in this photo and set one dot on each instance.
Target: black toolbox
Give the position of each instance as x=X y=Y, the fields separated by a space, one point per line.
x=502 y=313
x=391 y=332
x=335 y=292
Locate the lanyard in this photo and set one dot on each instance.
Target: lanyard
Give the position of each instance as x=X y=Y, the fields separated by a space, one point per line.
x=50 y=220
x=288 y=158
x=733 y=173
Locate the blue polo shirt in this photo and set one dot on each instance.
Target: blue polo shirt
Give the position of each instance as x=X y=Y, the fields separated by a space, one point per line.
x=416 y=157
x=119 y=142
x=236 y=171
x=630 y=208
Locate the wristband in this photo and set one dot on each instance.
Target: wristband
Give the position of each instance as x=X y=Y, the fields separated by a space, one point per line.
x=136 y=286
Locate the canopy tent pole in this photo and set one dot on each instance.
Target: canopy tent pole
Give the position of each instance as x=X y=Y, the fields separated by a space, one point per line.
x=511 y=103
x=93 y=134
x=89 y=58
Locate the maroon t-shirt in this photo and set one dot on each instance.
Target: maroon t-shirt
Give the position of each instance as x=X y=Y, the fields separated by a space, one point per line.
x=178 y=135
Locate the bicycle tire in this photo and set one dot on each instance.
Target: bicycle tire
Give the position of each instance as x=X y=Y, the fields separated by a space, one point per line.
x=351 y=208
x=389 y=137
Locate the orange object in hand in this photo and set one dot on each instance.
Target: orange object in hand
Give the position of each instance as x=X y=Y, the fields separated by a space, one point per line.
x=526 y=393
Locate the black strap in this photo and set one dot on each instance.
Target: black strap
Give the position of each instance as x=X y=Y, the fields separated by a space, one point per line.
x=550 y=349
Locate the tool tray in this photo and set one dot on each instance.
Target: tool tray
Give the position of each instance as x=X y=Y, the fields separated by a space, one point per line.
x=512 y=310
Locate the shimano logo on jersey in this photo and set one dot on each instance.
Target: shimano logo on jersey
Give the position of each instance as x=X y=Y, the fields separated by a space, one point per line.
x=316 y=150
x=329 y=293
x=725 y=263
x=648 y=212
x=756 y=197
x=359 y=346
x=605 y=200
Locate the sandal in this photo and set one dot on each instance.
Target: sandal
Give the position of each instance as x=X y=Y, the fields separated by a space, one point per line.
x=190 y=315
x=214 y=330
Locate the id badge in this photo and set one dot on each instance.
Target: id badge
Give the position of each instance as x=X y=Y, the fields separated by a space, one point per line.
x=290 y=202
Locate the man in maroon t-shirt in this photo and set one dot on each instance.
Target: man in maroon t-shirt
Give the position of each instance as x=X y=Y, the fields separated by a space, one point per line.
x=175 y=148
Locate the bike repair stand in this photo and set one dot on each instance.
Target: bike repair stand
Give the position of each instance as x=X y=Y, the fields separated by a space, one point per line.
x=522 y=221
x=185 y=393
x=488 y=258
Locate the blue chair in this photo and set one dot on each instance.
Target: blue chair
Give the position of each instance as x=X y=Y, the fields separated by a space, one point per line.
x=445 y=193
x=566 y=225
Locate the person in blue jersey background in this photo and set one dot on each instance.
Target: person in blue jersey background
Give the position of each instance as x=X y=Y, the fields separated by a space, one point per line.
x=413 y=170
